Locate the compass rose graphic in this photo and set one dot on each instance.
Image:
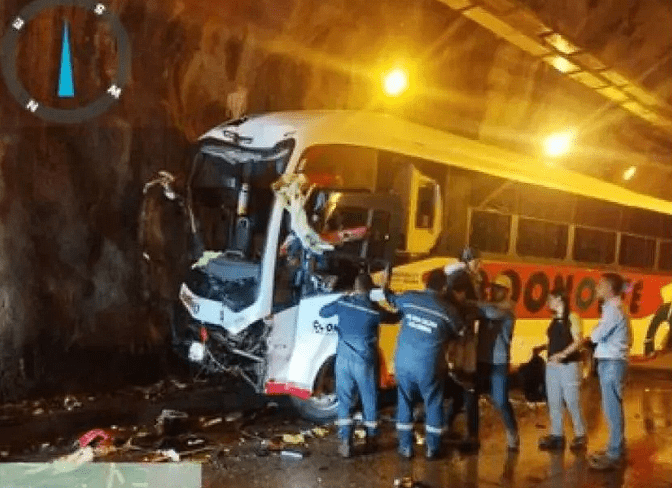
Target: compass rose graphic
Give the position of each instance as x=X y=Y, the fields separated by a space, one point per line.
x=65 y=89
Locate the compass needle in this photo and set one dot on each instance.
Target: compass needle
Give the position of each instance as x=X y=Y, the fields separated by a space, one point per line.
x=66 y=86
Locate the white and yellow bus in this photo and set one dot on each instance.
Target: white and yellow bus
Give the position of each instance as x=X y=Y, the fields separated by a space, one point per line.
x=421 y=195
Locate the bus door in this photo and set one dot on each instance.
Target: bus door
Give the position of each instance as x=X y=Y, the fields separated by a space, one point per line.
x=423 y=217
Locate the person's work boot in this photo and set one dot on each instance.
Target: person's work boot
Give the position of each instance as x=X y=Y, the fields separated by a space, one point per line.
x=552 y=443
x=345 y=448
x=433 y=454
x=579 y=443
x=405 y=452
x=513 y=441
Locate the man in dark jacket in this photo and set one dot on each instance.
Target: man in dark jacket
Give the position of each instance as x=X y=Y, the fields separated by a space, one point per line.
x=427 y=322
x=356 y=360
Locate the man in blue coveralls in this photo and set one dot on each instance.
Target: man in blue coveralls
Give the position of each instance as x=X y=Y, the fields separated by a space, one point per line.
x=427 y=322
x=356 y=360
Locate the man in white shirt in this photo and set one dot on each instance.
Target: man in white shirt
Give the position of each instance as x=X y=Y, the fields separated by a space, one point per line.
x=612 y=337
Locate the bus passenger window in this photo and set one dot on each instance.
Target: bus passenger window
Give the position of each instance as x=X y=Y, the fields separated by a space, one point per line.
x=424 y=215
x=594 y=246
x=638 y=252
x=665 y=259
x=537 y=238
x=490 y=231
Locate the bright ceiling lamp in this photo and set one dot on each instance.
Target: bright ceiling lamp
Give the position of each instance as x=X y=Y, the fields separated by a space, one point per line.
x=629 y=173
x=559 y=144
x=395 y=82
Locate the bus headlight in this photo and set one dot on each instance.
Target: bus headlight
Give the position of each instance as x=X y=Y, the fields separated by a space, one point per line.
x=196 y=352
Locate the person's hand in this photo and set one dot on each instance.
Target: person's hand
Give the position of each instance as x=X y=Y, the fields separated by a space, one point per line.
x=556 y=358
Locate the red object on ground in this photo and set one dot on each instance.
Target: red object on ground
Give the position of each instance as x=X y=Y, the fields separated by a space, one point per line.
x=204 y=334
x=94 y=434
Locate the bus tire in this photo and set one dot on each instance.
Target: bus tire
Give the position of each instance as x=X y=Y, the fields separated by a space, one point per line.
x=322 y=405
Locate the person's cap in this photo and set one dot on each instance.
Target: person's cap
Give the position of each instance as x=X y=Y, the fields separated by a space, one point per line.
x=469 y=254
x=503 y=281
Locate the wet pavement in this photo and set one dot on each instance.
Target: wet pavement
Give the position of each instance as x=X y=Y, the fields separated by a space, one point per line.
x=248 y=441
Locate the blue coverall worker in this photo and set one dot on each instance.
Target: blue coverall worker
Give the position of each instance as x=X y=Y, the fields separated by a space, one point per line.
x=427 y=322
x=356 y=360
x=495 y=333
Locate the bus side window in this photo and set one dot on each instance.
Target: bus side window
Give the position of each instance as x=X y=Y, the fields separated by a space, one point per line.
x=665 y=257
x=490 y=231
x=594 y=246
x=424 y=214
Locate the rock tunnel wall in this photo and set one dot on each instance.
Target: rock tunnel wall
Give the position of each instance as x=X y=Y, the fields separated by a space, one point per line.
x=72 y=312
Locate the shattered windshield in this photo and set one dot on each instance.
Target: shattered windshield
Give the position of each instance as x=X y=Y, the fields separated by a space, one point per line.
x=230 y=193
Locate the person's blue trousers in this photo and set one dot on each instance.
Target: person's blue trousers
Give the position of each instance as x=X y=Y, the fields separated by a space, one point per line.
x=356 y=376
x=492 y=379
x=612 y=379
x=414 y=382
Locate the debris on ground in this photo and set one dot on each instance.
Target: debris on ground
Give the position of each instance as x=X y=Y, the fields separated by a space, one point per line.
x=196 y=441
x=419 y=440
x=320 y=432
x=178 y=384
x=293 y=438
x=98 y=436
x=270 y=405
x=70 y=403
x=405 y=482
x=171 y=422
x=232 y=417
x=211 y=422
x=360 y=434
x=38 y=411
x=72 y=461
x=171 y=455
x=273 y=444
x=293 y=453
x=4 y=454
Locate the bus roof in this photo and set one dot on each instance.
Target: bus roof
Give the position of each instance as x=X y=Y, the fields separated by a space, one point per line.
x=391 y=133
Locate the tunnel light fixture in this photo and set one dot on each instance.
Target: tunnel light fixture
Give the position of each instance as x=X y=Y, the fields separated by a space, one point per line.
x=560 y=43
x=563 y=65
x=395 y=82
x=629 y=173
x=559 y=144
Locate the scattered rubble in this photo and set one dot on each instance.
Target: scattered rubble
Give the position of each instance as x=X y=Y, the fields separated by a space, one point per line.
x=171 y=422
x=209 y=423
x=293 y=439
x=405 y=482
x=234 y=416
x=171 y=455
x=70 y=403
x=293 y=453
x=73 y=461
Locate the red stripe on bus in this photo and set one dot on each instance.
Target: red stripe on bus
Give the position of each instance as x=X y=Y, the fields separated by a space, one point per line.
x=274 y=388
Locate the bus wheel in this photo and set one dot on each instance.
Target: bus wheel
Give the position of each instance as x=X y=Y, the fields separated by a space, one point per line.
x=321 y=407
